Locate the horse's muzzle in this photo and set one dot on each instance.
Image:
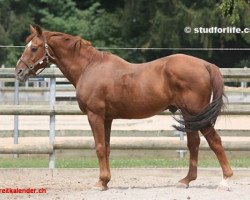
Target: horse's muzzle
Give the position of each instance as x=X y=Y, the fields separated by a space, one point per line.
x=22 y=74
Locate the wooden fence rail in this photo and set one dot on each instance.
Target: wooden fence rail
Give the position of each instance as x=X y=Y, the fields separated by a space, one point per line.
x=118 y=143
x=234 y=109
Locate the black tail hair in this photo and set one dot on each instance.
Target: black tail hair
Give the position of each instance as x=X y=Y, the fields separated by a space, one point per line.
x=208 y=116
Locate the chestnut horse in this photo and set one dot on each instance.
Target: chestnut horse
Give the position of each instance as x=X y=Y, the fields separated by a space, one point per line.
x=108 y=87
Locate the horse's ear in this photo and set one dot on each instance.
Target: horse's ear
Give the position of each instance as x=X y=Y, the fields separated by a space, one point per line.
x=39 y=30
x=32 y=30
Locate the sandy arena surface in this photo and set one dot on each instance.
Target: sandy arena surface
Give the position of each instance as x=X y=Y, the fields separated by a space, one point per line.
x=126 y=184
x=131 y=184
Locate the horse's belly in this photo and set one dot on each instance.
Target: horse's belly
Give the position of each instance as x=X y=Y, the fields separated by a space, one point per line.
x=138 y=115
x=132 y=110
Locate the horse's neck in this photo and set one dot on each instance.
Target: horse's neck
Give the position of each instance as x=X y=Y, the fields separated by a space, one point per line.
x=71 y=65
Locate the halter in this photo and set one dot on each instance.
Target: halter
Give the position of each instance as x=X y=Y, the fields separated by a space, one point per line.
x=45 y=57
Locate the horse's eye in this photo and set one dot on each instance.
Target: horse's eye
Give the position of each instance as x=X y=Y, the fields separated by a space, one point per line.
x=33 y=49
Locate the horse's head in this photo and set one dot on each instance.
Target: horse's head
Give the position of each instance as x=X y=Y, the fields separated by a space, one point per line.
x=35 y=56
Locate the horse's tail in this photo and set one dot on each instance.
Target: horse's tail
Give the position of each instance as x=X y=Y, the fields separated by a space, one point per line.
x=207 y=116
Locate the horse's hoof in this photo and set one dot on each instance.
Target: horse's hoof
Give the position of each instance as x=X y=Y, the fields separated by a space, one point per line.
x=182 y=185
x=224 y=186
x=100 y=188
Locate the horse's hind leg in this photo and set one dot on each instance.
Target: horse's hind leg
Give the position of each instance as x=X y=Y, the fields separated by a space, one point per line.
x=215 y=144
x=193 y=139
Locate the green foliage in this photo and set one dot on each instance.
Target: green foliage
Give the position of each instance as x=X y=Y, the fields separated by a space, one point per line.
x=11 y=30
x=130 y=23
x=231 y=9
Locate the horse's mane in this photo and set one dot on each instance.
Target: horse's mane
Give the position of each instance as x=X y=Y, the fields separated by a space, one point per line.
x=75 y=43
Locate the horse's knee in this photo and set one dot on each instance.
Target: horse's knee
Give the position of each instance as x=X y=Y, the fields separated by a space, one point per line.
x=100 y=151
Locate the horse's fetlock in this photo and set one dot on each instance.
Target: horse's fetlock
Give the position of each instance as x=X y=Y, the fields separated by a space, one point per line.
x=105 y=177
x=228 y=174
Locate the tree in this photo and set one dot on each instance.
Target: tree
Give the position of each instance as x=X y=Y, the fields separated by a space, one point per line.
x=131 y=23
x=231 y=9
x=11 y=30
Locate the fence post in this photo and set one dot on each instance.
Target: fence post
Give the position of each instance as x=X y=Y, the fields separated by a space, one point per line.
x=27 y=93
x=181 y=152
x=52 y=100
x=16 y=101
x=16 y=118
x=2 y=66
x=244 y=85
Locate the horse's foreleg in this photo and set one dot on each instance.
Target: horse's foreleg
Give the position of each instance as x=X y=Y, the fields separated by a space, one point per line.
x=215 y=144
x=98 y=128
x=193 y=140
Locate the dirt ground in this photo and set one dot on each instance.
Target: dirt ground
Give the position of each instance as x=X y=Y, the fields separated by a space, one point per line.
x=131 y=184
x=126 y=184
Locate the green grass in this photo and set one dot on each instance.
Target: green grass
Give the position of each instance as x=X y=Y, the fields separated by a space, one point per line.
x=42 y=162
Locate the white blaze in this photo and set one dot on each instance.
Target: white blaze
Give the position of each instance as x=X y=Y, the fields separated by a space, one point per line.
x=18 y=62
x=29 y=44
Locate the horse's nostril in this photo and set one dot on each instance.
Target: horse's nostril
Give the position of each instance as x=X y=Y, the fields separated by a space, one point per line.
x=19 y=71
